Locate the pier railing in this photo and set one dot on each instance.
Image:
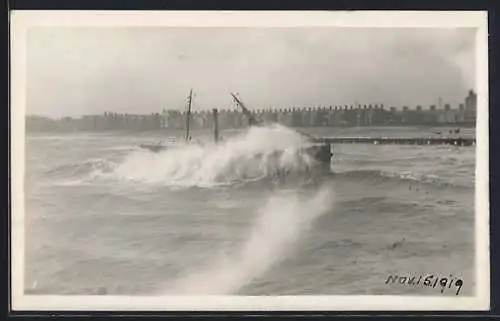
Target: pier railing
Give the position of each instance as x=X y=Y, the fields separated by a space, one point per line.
x=400 y=141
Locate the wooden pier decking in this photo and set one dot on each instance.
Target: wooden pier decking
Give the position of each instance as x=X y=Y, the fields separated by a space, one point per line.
x=400 y=141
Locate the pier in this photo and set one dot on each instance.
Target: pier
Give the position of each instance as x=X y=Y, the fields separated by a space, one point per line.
x=401 y=141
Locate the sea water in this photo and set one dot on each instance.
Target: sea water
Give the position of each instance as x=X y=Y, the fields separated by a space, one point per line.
x=104 y=216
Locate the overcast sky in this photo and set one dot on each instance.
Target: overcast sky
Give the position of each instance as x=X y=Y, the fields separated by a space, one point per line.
x=77 y=71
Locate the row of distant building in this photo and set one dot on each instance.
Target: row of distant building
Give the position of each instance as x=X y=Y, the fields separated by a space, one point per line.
x=332 y=116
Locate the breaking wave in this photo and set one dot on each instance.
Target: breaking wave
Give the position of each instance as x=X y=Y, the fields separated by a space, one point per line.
x=256 y=154
x=279 y=224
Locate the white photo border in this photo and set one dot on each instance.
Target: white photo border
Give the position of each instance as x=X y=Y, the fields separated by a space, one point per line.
x=22 y=20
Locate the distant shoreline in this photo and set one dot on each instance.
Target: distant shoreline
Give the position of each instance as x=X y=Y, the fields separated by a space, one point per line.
x=207 y=130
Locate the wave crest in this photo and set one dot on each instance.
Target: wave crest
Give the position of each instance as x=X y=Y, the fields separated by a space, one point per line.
x=258 y=153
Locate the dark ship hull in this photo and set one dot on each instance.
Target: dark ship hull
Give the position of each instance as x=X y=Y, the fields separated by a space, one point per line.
x=321 y=153
x=154 y=148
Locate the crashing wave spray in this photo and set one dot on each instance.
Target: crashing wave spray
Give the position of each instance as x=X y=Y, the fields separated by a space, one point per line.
x=257 y=153
x=279 y=224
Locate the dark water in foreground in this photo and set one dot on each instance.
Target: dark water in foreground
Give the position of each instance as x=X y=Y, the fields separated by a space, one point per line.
x=103 y=216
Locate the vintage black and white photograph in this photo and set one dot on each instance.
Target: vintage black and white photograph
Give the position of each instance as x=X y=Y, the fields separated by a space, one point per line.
x=264 y=158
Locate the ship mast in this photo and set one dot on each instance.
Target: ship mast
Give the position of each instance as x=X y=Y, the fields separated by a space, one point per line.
x=188 y=114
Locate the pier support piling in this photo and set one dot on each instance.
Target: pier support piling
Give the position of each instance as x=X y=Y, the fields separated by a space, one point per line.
x=216 y=125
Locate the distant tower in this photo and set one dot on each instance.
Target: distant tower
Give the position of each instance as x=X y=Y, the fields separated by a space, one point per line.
x=471 y=107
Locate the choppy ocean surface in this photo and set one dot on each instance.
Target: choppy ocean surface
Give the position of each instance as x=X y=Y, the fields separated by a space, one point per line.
x=106 y=217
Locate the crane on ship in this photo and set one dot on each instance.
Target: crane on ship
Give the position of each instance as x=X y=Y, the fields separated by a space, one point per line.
x=320 y=151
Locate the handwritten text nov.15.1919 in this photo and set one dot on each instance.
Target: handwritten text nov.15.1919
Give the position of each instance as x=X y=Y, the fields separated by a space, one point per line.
x=428 y=280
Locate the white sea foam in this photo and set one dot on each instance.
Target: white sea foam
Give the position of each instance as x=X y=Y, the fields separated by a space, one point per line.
x=248 y=156
x=279 y=224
